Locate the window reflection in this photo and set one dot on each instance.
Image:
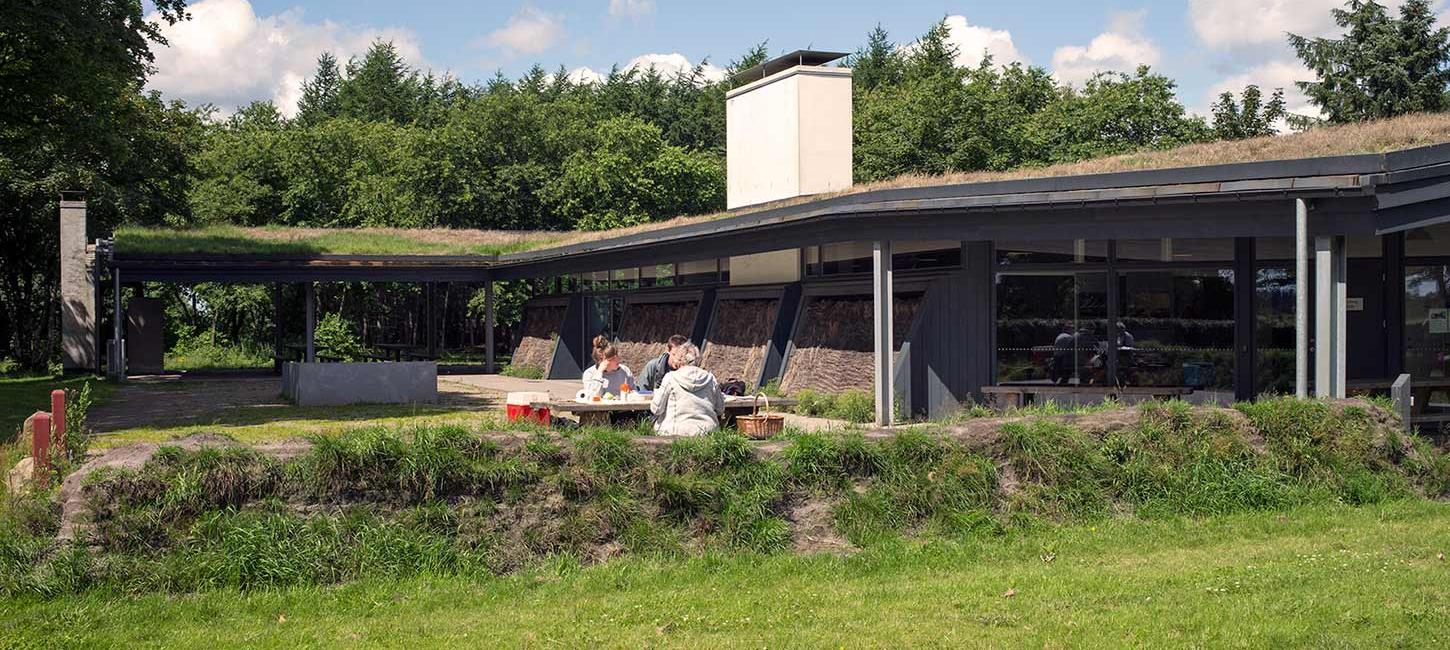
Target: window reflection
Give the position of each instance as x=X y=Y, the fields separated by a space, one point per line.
x=1051 y=328
x=1177 y=329
x=1274 y=304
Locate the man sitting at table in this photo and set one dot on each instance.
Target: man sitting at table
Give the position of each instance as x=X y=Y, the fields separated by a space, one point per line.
x=658 y=367
x=688 y=401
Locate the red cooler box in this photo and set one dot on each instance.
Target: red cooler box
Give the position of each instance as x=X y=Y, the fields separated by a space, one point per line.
x=520 y=407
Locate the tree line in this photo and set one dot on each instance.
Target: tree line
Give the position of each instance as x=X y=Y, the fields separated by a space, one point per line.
x=375 y=142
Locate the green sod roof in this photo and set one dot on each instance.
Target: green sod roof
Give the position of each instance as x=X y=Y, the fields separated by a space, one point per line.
x=1364 y=138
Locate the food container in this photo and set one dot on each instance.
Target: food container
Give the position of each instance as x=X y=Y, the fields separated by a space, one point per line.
x=520 y=406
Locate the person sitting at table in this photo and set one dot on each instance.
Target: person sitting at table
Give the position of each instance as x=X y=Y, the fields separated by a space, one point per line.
x=607 y=376
x=688 y=401
x=658 y=367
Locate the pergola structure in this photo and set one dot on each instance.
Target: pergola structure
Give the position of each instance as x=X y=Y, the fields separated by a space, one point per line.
x=1318 y=202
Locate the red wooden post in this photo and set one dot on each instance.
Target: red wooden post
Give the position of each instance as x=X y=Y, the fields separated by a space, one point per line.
x=40 y=444
x=57 y=418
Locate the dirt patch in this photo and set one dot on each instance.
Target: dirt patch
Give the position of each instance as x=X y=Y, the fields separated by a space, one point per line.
x=813 y=529
x=540 y=335
x=647 y=327
x=833 y=347
x=739 y=333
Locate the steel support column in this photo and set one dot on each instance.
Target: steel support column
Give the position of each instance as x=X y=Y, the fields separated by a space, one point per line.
x=310 y=329
x=116 y=359
x=1301 y=299
x=279 y=343
x=488 y=326
x=1329 y=317
x=883 y=300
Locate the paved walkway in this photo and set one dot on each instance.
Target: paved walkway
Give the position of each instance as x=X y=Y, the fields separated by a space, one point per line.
x=176 y=399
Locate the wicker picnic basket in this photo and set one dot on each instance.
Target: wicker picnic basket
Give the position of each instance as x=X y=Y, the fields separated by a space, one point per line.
x=760 y=425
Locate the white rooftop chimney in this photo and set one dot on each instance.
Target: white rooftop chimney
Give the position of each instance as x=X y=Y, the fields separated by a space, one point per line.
x=788 y=132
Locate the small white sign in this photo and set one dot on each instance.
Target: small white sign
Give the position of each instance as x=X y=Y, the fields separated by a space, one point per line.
x=1354 y=304
x=1439 y=321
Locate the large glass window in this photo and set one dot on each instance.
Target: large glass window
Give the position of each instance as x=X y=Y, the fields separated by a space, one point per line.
x=700 y=272
x=659 y=275
x=1433 y=241
x=1176 y=250
x=624 y=278
x=845 y=257
x=596 y=281
x=1427 y=320
x=925 y=254
x=1064 y=251
x=1274 y=304
x=1176 y=328
x=1051 y=327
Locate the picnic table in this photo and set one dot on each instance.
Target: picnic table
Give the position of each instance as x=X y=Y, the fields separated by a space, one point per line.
x=1420 y=390
x=1017 y=394
x=597 y=413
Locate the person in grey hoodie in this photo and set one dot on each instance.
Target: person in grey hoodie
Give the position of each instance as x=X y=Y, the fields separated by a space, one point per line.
x=688 y=401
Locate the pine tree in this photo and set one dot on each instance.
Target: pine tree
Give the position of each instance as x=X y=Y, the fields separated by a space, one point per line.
x=380 y=87
x=876 y=64
x=319 y=94
x=1381 y=67
x=1424 y=52
x=933 y=54
x=1248 y=117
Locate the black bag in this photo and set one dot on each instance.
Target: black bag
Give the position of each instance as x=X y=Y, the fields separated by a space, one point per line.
x=733 y=387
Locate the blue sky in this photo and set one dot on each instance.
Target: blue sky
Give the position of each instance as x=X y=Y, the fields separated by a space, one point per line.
x=235 y=51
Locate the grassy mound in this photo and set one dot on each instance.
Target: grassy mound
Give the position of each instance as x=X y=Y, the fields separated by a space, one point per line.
x=448 y=501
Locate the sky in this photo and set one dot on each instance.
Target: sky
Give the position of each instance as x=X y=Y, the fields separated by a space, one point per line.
x=232 y=52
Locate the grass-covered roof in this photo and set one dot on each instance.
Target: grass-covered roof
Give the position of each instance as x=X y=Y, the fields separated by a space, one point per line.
x=1364 y=138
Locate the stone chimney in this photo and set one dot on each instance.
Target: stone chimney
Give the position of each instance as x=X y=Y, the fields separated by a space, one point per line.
x=77 y=287
x=788 y=130
x=787 y=134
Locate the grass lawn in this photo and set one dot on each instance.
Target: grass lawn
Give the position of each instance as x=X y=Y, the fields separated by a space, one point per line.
x=21 y=396
x=262 y=424
x=1318 y=576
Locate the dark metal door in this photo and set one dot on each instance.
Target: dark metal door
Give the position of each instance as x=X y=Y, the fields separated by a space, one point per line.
x=1365 y=319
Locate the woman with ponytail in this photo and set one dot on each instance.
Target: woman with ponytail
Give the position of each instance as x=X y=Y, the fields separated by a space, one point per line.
x=607 y=376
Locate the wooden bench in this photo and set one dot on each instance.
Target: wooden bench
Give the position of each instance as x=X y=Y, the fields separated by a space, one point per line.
x=597 y=413
x=1018 y=395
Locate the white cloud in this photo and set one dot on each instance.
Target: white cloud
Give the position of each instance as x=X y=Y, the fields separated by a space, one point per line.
x=667 y=65
x=1122 y=48
x=631 y=8
x=228 y=55
x=585 y=75
x=670 y=65
x=974 y=41
x=529 y=31
x=1233 y=23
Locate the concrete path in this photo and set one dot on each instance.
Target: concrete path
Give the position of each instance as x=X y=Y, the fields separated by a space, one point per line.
x=502 y=385
x=177 y=399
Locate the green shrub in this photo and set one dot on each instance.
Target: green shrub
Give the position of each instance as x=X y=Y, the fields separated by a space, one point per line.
x=334 y=336
x=853 y=406
x=204 y=349
x=813 y=403
x=522 y=371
